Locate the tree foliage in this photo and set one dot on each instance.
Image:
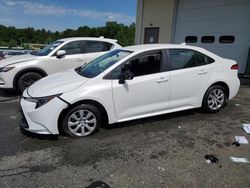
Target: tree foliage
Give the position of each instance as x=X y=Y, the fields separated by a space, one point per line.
x=11 y=36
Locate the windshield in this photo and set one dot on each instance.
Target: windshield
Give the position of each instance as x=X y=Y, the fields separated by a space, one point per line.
x=100 y=64
x=46 y=50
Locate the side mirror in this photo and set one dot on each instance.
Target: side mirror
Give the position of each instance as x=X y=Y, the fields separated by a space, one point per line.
x=126 y=74
x=60 y=53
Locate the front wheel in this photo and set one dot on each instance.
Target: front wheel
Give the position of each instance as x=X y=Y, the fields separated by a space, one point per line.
x=81 y=121
x=214 y=99
x=27 y=79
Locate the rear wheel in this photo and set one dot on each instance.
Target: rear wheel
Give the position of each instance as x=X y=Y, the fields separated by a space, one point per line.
x=214 y=99
x=82 y=120
x=27 y=79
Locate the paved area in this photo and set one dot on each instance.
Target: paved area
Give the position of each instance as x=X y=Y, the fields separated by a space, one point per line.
x=162 y=151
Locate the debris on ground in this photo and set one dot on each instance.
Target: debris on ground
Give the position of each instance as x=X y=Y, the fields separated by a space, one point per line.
x=98 y=184
x=246 y=128
x=211 y=159
x=161 y=169
x=239 y=160
x=241 y=139
x=237 y=144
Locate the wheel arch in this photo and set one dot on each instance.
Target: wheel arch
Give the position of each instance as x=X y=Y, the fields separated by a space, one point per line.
x=220 y=83
x=223 y=84
x=104 y=113
x=31 y=69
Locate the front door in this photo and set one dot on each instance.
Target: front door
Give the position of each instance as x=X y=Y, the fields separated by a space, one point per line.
x=74 y=57
x=147 y=93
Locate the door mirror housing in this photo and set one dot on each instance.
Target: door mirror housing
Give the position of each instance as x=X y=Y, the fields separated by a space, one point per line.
x=126 y=74
x=60 y=53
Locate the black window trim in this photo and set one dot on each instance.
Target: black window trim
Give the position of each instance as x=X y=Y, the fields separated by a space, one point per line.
x=164 y=63
x=195 y=51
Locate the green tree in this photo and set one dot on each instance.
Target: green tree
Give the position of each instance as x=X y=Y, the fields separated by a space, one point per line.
x=12 y=43
x=11 y=36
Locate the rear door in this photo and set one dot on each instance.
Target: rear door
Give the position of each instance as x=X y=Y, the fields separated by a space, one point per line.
x=189 y=75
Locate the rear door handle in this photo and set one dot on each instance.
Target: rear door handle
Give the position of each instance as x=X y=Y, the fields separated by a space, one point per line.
x=201 y=72
x=162 y=79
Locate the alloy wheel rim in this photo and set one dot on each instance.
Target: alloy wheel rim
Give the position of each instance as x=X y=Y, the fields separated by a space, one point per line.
x=216 y=99
x=82 y=122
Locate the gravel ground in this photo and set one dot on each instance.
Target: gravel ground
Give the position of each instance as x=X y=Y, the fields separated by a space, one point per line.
x=162 y=151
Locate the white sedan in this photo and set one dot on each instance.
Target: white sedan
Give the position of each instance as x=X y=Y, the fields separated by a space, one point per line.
x=126 y=84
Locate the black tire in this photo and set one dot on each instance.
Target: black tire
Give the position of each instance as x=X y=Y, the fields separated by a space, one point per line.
x=210 y=106
x=26 y=80
x=78 y=124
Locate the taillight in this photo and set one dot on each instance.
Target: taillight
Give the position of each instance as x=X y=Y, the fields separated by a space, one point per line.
x=235 y=67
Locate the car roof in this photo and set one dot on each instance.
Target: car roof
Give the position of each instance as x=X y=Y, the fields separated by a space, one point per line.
x=144 y=47
x=149 y=47
x=89 y=38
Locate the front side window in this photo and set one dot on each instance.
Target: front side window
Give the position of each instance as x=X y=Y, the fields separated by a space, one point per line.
x=49 y=48
x=97 y=66
x=182 y=59
x=146 y=64
x=72 y=48
x=97 y=46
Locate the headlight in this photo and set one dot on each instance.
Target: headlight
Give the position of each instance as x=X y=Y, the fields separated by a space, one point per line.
x=6 y=69
x=40 y=101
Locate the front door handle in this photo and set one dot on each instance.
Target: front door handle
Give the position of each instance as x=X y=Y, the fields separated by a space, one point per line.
x=162 y=79
x=201 y=72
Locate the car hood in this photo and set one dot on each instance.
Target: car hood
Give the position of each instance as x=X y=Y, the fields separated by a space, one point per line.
x=57 y=83
x=17 y=59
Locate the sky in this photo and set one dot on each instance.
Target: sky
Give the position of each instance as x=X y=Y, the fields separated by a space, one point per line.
x=58 y=15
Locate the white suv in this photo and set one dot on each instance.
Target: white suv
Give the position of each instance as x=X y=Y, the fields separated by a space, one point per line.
x=19 y=72
x=126 y=84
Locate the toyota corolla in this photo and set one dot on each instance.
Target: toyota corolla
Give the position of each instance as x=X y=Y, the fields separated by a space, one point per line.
x=126 y=84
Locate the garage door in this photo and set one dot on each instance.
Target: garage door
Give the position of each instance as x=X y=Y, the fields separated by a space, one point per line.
x=221 y=26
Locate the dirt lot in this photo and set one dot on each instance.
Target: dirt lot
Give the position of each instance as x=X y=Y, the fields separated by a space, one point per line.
x=162 y=151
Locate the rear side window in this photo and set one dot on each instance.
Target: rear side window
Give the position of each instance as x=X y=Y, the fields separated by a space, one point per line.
x=182 y=59
x=72 y=48
x=97 y=46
